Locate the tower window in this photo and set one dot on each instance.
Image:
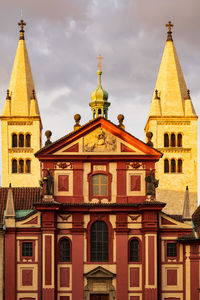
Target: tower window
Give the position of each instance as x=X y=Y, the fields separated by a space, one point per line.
x=134 y=250
x=99 y=111
x=99 y=185
x=99 y=238
x=14 y=166
x=179 y=140
x=166 y=166
x=180 y=166
x=65 y=250
x=21 y=140
x=173 y=166
x=28 y=140
x=21 y=166
x=14 y=140
x=173 y=140
x=166 y=140
x=28 y=166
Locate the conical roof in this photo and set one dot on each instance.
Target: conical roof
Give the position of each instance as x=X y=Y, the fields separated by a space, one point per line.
x=21 y=82
x=170 y=84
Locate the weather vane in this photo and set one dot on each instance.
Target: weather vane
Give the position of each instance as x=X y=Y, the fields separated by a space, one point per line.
x=99 y=65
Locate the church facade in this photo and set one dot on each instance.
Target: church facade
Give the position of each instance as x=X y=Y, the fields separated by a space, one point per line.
x=95 y=229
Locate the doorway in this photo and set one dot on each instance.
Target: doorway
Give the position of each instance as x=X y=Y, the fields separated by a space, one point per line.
x=99 y=297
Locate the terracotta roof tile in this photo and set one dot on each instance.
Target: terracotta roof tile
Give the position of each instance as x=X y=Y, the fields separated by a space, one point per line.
x=24 y=198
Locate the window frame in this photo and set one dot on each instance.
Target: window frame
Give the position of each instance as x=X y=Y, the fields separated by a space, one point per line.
x=139 y=250
x=103 y=242
x=70 y=250
x=166 y=142
x=23 y=257
x=171 y=258
x=90 y=182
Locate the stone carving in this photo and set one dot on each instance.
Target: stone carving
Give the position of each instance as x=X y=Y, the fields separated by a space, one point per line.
x=152 y=184
x=135 y=165
x=49 y=183
x=63 y=165
x=100 y=141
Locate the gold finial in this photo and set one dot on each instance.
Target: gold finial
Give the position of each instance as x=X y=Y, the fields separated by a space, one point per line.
x=21 y=24
x=169 y=33
x=156 y=95
x=99 y=65
x=8 y=95
x=33 y=94
x=48 y=134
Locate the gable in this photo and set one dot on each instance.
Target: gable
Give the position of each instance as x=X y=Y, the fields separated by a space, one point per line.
x=99 y=137
x=168 y=222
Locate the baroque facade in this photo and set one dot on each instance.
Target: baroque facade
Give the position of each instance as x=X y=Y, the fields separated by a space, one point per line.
x=95 y=228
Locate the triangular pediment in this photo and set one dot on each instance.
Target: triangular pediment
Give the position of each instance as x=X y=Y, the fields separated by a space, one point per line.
x=101 y=137
x=99 y=272
x=169 y=222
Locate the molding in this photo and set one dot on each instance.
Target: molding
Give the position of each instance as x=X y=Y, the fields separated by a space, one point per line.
x=20 y=150
x=174 y=150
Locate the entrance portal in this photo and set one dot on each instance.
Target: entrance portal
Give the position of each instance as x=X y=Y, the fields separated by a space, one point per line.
x=99 y=297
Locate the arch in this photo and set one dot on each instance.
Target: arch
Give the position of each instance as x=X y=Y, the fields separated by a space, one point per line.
x=173 y=140
x=180 y=165
x=99 y=111
x=14 y=140
x=21 y=140
x=166 y=166
x=21 y=166
x=99 y=242
x=14 y=166
x=99 y=185
x=173 y=166
x=134 y=250
x=65 y=250
x=28 y=140
x=94 y=114
x=28 y=166
x=179 y=144
x=166 y=140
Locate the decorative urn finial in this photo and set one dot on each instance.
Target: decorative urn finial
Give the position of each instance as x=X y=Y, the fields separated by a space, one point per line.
x=77 y=118
x=121 y=119
x=48 y=134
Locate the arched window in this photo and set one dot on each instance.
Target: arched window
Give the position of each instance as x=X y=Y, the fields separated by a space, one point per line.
x=180 y=166
x=166 y=166
x=99 y=185
x=179 y=140
x=166 y=140
x=28 y=166
x=14 y=140
x=28 y=140
x=173 y=166
x=134 y=250
x=173 y=140
x=94 y=114
x=99 y=111
x=21 y=140
x=65 y=250
x=99 y=242
x=14 y=166
x=21 y=166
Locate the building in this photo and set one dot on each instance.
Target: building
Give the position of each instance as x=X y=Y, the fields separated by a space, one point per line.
x=95 y=229
x=173 y=122
x=21 y=124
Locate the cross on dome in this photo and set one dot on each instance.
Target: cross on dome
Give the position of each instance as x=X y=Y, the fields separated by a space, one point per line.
x=169 y=33
x=99 y=65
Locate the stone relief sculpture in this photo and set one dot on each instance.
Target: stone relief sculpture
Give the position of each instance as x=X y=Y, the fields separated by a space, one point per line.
x=99 y=141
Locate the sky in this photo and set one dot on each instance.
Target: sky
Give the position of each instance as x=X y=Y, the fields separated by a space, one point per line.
x=64 y=37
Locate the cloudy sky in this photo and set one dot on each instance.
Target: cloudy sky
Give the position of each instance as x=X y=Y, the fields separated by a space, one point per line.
x=64 y=37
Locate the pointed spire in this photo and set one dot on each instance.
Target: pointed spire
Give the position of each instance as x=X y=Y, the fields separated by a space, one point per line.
x=186 y=208
x=21 y=81
x=10 y=209
x=170 y=83
x=99 y=104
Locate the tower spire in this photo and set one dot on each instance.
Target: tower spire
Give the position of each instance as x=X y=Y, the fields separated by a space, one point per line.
x=99 y=104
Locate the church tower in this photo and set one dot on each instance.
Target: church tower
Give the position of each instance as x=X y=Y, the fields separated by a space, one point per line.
x=173 y=122
x=21 y=124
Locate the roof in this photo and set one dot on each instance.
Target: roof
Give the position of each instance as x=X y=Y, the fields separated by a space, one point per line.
x=23 y=197
x=91 y=125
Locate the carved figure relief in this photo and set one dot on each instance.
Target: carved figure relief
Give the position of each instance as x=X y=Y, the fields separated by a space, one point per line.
x=100 y=141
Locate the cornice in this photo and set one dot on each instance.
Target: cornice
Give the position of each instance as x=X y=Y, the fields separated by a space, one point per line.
x=174 y=150
x=20 y=150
